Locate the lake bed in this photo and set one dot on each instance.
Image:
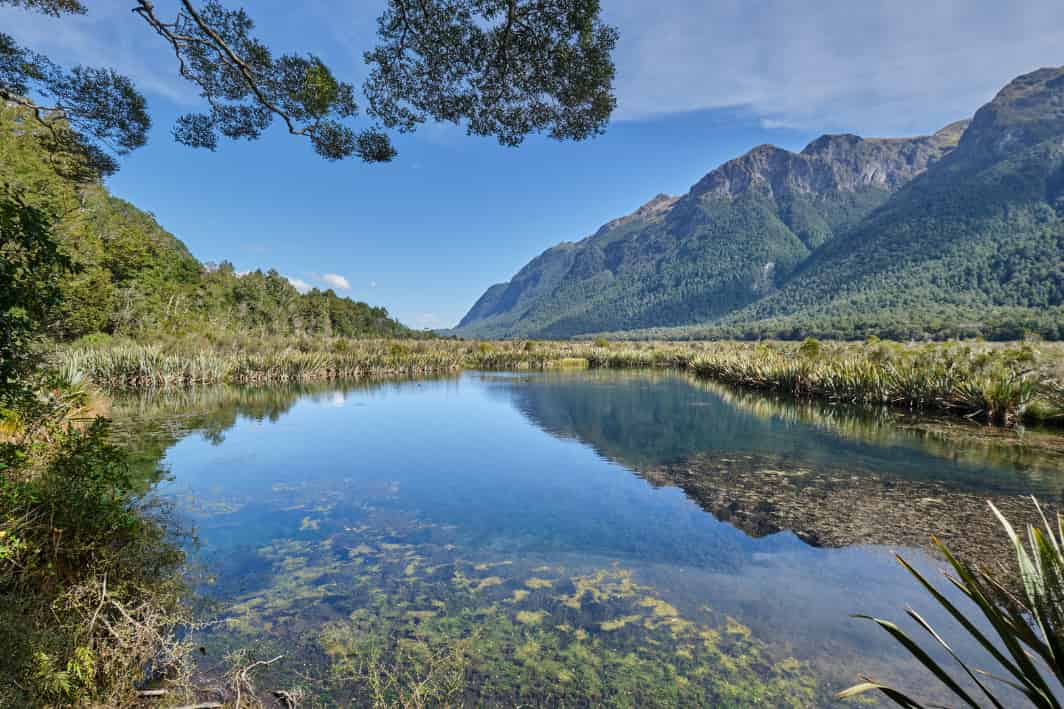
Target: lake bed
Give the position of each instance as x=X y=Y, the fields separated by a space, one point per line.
x=566 y=538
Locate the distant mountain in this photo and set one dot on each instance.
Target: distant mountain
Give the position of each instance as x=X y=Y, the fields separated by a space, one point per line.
x=942 y=234
x=978 y=240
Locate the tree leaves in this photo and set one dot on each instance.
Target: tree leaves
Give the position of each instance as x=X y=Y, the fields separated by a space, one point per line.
x=505 y=68
x=88 y=114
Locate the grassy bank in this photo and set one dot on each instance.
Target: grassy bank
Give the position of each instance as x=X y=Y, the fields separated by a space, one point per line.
x=998 y=383
x=92 y=586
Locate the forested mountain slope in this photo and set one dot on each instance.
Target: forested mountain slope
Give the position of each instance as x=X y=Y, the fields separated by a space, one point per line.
x=954 y=233
x=977 y=240
x=135 y=278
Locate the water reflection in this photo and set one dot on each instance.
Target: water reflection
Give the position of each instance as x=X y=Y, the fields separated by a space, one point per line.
x=833 y=476
x=487 y=527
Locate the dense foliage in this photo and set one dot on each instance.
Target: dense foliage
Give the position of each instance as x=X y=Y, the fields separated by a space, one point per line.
x=775 y=244
x=134 y=278
x=504 y=68
x=89 y=594
x=30 y=268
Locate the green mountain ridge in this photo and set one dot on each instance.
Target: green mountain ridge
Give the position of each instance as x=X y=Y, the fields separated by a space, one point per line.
x=134 y=278
x=941 y=235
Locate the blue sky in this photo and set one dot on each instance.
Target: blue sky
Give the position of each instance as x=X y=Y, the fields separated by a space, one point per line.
x=698 y=83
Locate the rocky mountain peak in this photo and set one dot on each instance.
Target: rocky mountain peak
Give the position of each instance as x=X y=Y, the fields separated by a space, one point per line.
x=1028 y=110
x=840 y=163
x=862 y=231
x=660 y=203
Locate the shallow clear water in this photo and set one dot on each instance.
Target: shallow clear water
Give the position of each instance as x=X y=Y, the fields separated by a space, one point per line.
x=574 y=538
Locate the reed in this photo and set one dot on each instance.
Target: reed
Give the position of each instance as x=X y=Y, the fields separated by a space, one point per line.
x=998 y=384
x=998 y=388
x=1023 y=628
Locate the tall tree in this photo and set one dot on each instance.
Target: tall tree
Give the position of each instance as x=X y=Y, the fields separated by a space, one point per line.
x=31 y=265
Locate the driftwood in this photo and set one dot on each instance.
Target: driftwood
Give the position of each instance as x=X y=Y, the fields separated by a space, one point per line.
x=243 y=681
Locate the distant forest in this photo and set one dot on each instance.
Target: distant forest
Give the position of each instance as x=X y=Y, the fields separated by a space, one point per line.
x=133 y=278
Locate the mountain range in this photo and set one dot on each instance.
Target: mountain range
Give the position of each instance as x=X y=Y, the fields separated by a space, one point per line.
x=959 y=233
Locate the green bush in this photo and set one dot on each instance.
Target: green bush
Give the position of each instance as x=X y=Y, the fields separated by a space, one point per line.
x=810 y=348
x=90 y=591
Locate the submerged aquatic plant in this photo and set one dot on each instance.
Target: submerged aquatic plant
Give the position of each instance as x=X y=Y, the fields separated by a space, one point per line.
x=1028 y=626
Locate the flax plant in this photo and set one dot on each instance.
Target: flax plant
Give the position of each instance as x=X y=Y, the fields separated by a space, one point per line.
x=1026 y=627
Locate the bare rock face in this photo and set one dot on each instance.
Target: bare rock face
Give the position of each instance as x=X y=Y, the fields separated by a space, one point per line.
x=831 y=163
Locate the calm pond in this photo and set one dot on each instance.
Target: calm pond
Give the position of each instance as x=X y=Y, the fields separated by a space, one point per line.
x=568 y=538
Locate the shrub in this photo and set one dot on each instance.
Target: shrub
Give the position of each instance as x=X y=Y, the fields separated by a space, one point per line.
x=810 y=348
x=90 y=592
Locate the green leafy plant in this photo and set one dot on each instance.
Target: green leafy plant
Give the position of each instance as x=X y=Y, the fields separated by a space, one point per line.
x=810 y=348
x=1028 y=626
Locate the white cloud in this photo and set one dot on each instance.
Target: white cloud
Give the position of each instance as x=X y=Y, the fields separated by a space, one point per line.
x=336 y=281
x=372 y=284
x=299 y=284
x=885 y=67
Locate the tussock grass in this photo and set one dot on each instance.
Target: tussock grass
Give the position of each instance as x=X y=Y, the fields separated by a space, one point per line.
x=998 y=385
x=1001 y=384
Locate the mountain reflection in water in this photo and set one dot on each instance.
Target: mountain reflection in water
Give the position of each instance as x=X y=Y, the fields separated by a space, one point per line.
x=492 y=519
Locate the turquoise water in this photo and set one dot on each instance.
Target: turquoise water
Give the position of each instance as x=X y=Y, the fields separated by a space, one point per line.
x=576 y=539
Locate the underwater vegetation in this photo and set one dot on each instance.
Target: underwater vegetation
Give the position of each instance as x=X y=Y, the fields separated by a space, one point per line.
x=367 y=604
x=390 y=613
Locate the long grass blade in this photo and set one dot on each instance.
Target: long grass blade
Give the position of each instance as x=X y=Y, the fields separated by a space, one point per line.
x=869 y=686
x=926 y=660
x=933 y=633
x=961 y=618
x=1005 y=628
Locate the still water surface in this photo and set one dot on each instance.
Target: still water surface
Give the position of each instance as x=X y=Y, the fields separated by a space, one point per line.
x=565 y=539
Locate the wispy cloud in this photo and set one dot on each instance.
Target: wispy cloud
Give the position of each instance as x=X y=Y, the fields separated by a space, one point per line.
x=108 y=35
x=872 y=67
x=875 y=66
x=336 y=281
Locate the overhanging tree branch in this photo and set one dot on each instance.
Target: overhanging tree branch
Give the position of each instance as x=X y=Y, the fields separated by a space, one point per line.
x=505 y=68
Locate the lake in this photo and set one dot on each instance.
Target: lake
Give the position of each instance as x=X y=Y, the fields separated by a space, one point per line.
x=568 y=538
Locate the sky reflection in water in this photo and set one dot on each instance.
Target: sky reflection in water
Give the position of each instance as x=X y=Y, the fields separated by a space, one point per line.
x=513 y=473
